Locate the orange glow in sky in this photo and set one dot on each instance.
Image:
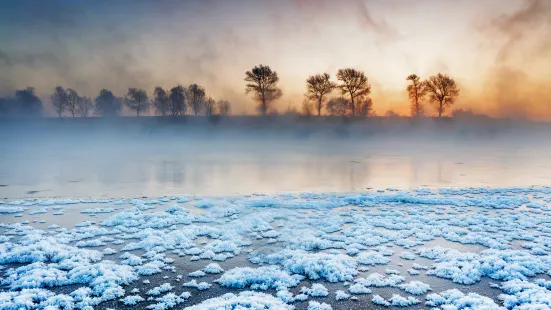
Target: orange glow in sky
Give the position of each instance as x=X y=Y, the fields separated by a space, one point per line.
x=499 y=51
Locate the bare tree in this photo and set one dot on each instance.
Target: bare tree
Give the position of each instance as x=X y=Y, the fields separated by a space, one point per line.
x=442 y=91
x=84 y=106
x=196 y=98
x=354 y=84
x=337 y=106
x=59 y=100
x=416 y=93
x=210 y=107
x=177 y=101
x=137 y=100
x=262 y=82
x=107 y=104
x=317 y=87
x=160 y=101
x=224 y=107
x=72 y=101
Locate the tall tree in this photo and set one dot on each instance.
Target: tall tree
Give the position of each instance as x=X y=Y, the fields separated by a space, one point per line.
x=262 y=82
x=210 y=107
x=224 y=107
x=72 y=101
x=196 y=98
x=84 y=106
x=28 y=103
x=442 y=91
x=354 y=84
x=416 y=93
x=59 y=100
x=317 y=87
x=177 y=101
x=137 y=100
x=160 y=101
x=107 y=104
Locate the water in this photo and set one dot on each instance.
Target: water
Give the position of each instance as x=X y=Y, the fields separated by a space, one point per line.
x=99 y=166
x=134 y=167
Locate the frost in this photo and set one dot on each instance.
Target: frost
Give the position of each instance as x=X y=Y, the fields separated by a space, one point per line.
x=456 y=299
x=39 y=211
x=213 y=268
x=413 y=272
x=317 y=290
x=314 y=305
x=415 y=287
x=399 y=301
x=200 y=286
x=245 y=300
x=408 y=255
x=8 y=210
x=261 y=278
x=359 y=289
x=378 y=300
x=378 y=280
x=341 y=295
x=525 y=295
x=132 y=300
x=197 y=274
x=131 y=259
x=169 y=300
x=97 y=210
x=469 y=268
x=331 y=267
x=163 y=288
x=109 y=251
x=372 y=258
x=150 y=268
x=419 y=267
x=290 y=237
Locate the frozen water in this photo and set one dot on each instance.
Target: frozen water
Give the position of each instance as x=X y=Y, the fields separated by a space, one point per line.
x=448 y=248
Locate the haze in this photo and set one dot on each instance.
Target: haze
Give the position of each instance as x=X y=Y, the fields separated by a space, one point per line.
x=499 y=51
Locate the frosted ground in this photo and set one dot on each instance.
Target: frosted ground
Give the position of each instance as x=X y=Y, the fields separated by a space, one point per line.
x=447 y=248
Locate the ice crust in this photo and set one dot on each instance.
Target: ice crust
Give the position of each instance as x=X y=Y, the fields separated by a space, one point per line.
x=327 y=248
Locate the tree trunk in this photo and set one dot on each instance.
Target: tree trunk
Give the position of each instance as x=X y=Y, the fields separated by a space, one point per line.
x=319 y=108
x=264 y=107
x=440 y=110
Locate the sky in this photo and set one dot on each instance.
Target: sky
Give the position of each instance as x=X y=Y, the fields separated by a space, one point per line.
x=499 y=51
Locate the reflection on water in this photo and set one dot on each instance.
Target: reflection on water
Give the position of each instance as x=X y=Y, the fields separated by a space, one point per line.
x=166 y=168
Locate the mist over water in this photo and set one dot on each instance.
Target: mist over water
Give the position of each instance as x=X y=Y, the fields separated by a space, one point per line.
x=133 y=157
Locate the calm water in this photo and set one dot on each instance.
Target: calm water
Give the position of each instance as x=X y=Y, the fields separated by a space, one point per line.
x=154 y=168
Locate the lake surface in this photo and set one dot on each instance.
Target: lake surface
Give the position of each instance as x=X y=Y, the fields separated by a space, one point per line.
x=134 y=167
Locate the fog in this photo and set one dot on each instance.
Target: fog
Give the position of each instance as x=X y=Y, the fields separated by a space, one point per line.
x=131 y=157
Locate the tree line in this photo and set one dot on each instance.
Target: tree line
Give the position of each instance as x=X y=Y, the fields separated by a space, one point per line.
x=177 y=101
x=352 y=88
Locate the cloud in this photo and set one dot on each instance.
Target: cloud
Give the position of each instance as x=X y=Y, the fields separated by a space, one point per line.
x=520 y=29
x=319 y=11
x=514 y=86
